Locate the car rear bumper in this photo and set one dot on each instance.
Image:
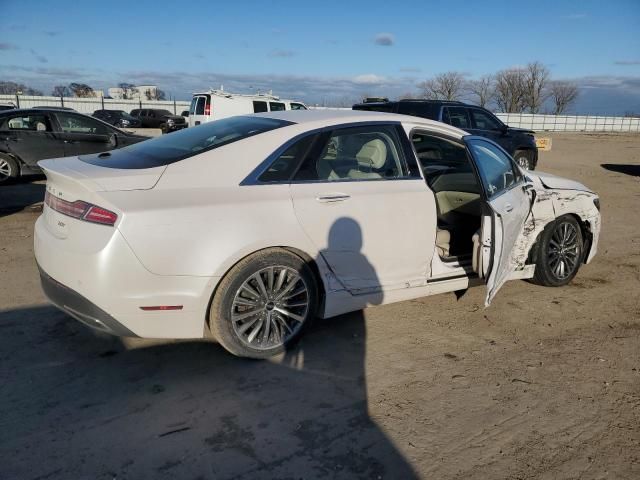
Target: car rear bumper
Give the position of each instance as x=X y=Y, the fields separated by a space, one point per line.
x=105 y=286
x=78 y=307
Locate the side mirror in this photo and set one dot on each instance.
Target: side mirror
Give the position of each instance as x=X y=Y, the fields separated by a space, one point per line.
x=113 y=140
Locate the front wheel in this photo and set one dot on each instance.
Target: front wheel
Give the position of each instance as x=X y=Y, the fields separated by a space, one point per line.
x=8 y=169
x=560 y=252
x=524 y=158
x=263 y=305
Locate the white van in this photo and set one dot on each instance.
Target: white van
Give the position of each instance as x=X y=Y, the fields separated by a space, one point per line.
x=217 y=104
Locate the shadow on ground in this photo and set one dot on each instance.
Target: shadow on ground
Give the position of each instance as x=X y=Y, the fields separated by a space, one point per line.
x=97 y=408
x=627 y=169
x=20 y=195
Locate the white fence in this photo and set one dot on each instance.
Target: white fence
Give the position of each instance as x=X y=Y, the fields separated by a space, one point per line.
x=89 y=105
x=570 y=123
x=537 y=122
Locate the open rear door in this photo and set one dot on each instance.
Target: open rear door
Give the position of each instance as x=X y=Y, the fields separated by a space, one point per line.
x=509 y=203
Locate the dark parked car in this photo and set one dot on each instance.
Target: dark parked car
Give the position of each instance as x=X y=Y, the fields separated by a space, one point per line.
x=30 y=135
x=518 y=143
x=158 y=118
x=118 y=118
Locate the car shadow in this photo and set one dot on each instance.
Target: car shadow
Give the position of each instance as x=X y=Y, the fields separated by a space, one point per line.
x=627 y=169
x=102 y=407
x=20 y=195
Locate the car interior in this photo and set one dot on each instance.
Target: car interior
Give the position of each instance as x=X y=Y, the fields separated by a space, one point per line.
x=450 y=175
x=366 y=155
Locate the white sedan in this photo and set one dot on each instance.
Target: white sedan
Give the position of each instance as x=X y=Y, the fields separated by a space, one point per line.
x=246 y=228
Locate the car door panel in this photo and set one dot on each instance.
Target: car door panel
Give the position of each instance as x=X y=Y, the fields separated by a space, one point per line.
x=373 y=235
x=509 y=204
x=21 y=138
x=510 y=212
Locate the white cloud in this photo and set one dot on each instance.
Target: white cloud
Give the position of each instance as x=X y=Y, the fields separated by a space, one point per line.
x=384 y=39
x=369 y=79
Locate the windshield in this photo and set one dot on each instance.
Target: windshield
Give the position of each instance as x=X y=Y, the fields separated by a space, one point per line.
x=186 y=143
x=163 y=112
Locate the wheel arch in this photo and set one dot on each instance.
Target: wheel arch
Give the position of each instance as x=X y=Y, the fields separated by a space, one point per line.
x=585 y=229
x=308 y=259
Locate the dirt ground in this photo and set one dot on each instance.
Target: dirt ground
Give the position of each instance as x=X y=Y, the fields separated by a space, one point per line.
x=543 y=384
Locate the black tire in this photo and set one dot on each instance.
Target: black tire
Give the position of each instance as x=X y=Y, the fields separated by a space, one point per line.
x=524 y=158
x=9 y=169
x=224 y=307
x=548 y=271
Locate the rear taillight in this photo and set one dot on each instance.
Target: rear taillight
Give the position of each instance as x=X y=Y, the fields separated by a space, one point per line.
x=207 y=109
x=81 y=210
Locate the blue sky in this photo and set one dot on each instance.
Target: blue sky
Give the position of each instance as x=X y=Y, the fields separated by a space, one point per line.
x=321 y=51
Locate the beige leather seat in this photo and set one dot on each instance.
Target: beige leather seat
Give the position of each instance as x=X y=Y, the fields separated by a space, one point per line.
x=41 y=127
x=371 y=156
x=443 y=240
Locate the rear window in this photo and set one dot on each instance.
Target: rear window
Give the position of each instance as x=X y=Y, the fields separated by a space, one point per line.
x=186 y=143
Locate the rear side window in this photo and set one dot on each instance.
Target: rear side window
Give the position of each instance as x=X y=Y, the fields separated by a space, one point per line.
x=259 y=107
x=35 y=123
x=457 y=117
x=283 y=167
x=276 y=106
x=356 y=153
x=186 y=143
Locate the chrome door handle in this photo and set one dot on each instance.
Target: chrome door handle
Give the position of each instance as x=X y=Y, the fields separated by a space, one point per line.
x=508 y=207
x=333 y=197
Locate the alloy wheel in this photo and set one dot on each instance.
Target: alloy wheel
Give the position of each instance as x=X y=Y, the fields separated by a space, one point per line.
x=523 y=161
x=564 y=250
x=5 y=170
x=270 y=307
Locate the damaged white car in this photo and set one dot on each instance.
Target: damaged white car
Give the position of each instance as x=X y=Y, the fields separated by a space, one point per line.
x=246 y=228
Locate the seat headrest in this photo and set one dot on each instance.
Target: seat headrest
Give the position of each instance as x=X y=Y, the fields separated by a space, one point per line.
x=373 y=154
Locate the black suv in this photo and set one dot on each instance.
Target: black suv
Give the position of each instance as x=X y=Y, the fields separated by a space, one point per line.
x=117 y=118
x=519 y=143
x=158 y=118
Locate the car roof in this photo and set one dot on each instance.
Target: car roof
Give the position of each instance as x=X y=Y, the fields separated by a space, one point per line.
x=323 y=118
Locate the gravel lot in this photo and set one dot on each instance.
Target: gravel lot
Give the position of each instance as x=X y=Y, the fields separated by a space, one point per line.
x=543 y=384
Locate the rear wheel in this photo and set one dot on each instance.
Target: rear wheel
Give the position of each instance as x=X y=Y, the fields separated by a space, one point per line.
x=560 y=252
x=524 y=158
x=263 y=305
x=8 y=169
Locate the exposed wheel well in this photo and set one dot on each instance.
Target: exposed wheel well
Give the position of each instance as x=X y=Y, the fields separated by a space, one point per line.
x=586 y=235
x=310 y=261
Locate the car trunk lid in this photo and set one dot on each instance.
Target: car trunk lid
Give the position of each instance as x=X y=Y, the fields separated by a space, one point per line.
x=74 y=172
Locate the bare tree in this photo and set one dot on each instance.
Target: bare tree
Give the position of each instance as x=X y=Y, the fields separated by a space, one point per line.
x=483 y=89
x=510 y=90
x=13 y=88
x=61 y=91
x=156 y=94
x=563 y=95
x=444 y=86
x=128 y=90
x=82 y=90
x=535 y=86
